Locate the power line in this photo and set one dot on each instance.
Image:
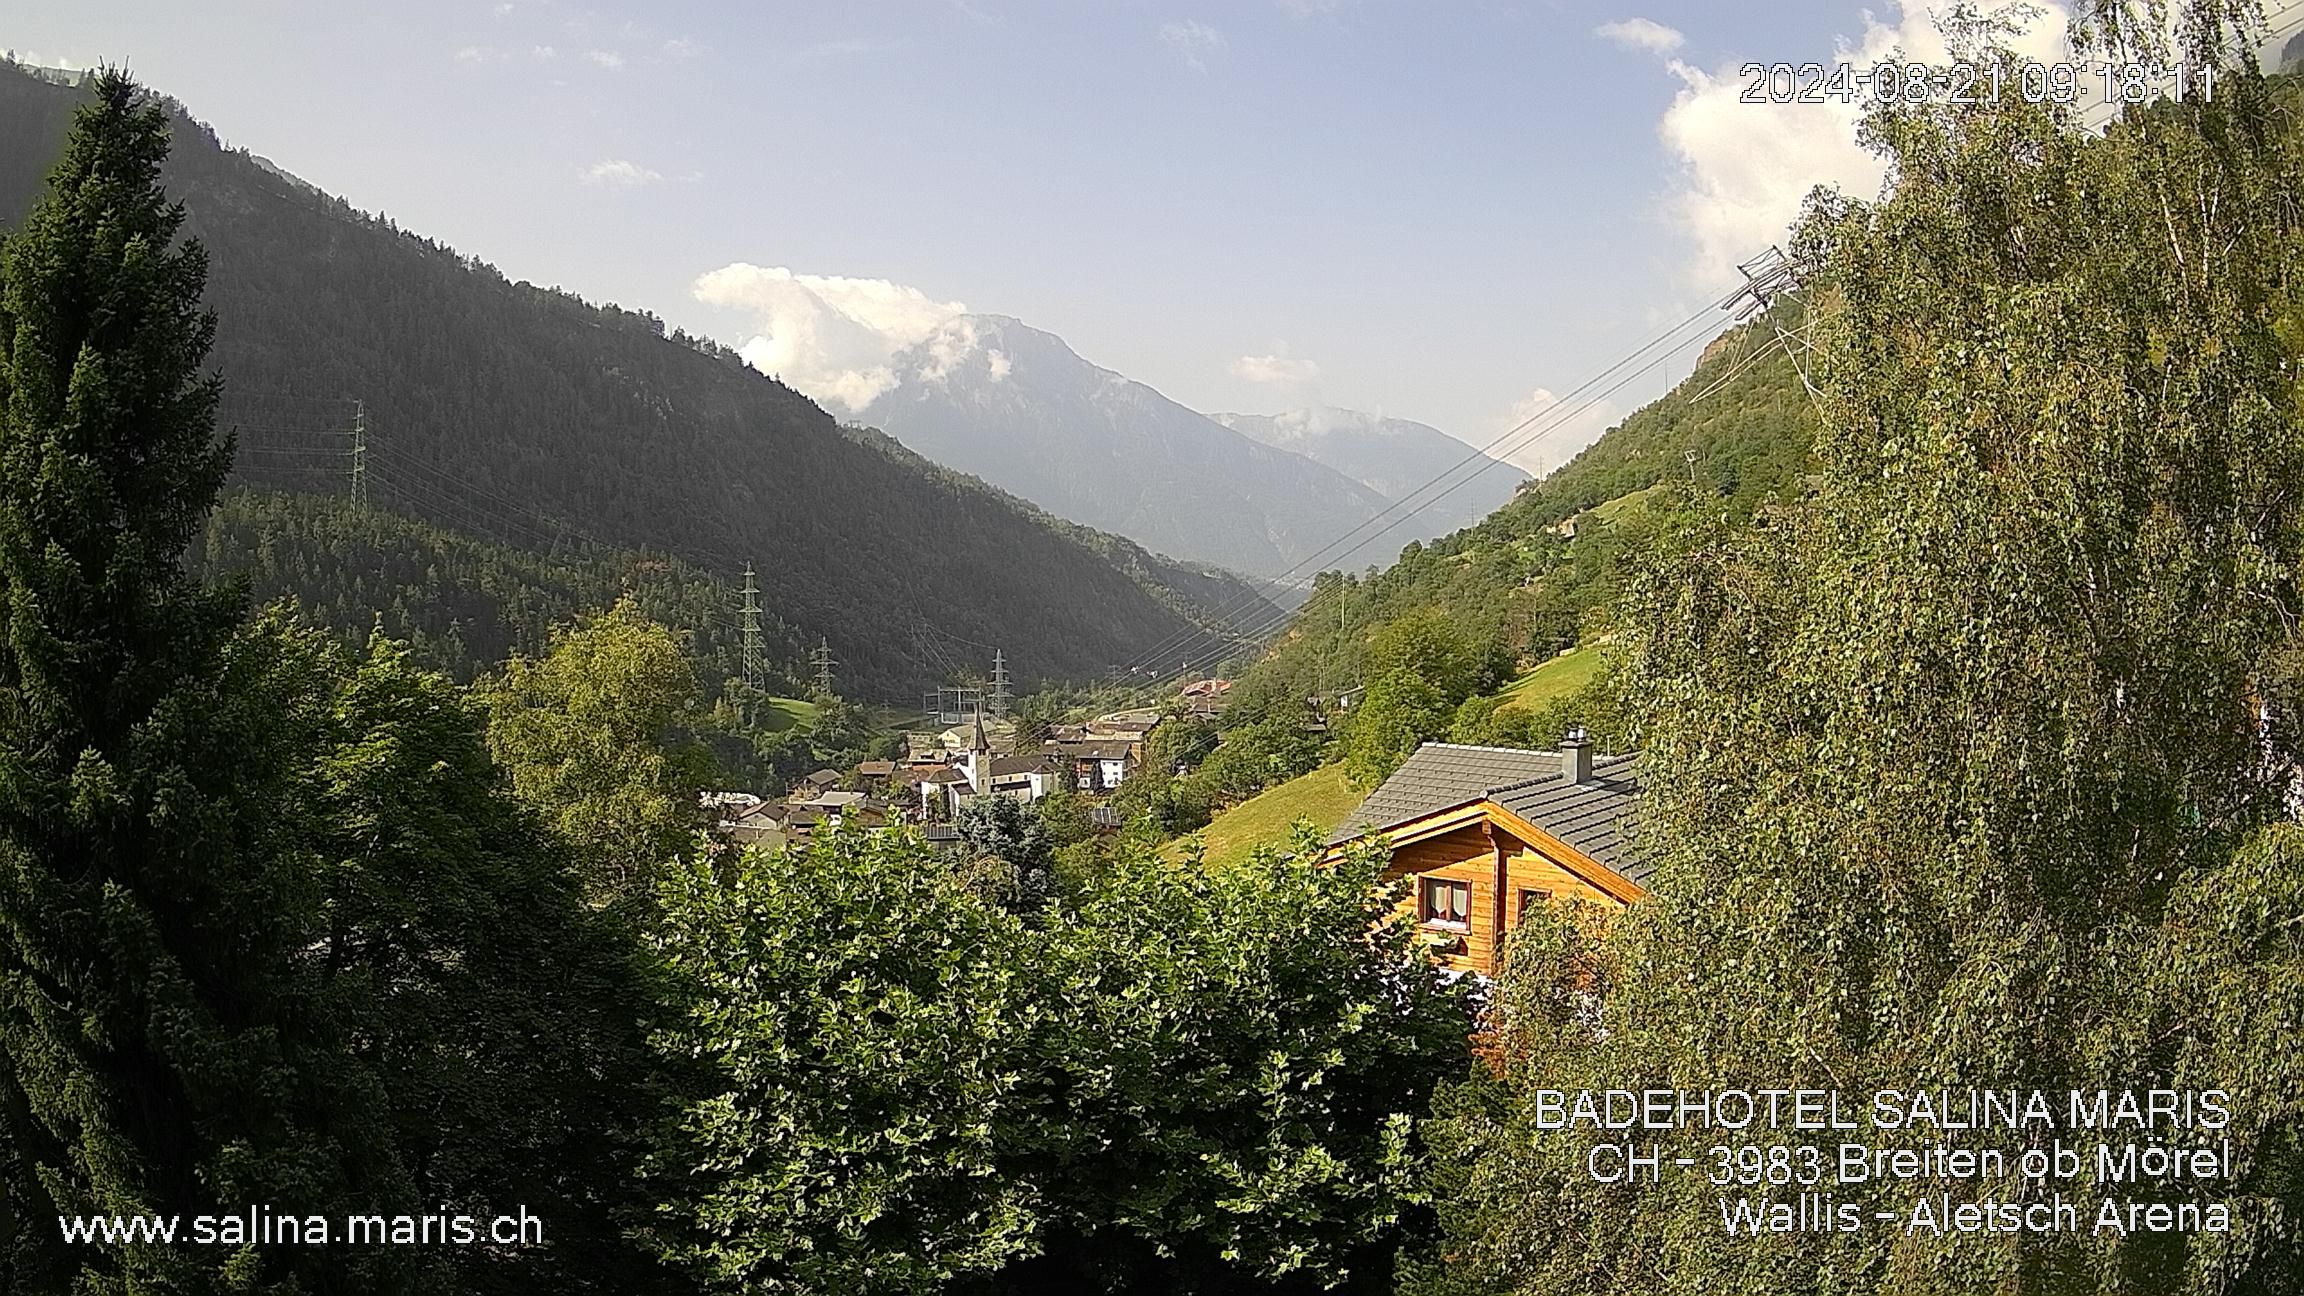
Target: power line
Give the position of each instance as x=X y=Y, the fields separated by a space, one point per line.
x=1522 y=435
x=1278 y=619
x=1550 y=417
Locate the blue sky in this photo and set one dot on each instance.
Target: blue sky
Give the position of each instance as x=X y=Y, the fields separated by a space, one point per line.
x=1433 y=208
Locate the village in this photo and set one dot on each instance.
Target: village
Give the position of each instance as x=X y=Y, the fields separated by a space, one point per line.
x=1483 y=834
x=980 y=755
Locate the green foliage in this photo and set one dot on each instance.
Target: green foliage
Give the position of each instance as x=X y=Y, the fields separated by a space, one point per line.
x=1260 y=755
x=149 y=905
x=271 y=934
x=462 y=602
x=1007 y=853
x=503 y=1015
x=1400 y=710
x=1955 y=772
x=862 y=1011
x=1178 y=743
x=1425 y=643
x=590 y=735
x=1191 y=1079
x=1173 y=806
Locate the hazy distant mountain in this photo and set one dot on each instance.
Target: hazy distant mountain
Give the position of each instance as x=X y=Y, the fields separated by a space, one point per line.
x=1391 y=457
x=1016 y=406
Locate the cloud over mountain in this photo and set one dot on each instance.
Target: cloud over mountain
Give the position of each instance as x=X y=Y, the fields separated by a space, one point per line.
x=828 y=335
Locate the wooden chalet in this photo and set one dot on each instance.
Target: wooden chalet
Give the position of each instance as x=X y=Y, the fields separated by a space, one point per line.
x=1487 y=833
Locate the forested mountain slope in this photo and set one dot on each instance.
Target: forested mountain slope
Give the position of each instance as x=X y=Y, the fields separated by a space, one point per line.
x=571 y=424
x=462 y=602
x=1518 y=585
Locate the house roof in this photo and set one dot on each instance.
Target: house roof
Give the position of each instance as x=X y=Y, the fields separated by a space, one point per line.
x=824 y=778
x=1110 y=749
x=1000 y=765
x=875 y=769
x=1139 y=721
x=1440 y=775
x=1595 y=816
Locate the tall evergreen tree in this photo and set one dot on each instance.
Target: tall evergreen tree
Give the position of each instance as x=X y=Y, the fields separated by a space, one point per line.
x=162 y=1049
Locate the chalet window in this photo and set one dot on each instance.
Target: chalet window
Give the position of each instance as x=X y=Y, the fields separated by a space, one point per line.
x=1446 y=903
x=1529 y=899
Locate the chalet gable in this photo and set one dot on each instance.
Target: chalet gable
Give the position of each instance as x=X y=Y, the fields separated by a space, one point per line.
x=1486 y=832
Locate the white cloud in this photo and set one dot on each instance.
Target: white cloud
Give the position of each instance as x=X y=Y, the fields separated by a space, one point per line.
x=680 y=47
x=543 y=53
x=1641 y=34
x=471 y=54
x=609 y=59
x=1311 y=8
x=1277 y=368
x=619 y=174
x=1190 y=39
x=832 y=337
x=1742 y=170
x=1556 y=429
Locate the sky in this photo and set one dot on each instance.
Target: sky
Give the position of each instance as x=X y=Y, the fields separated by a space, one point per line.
x=1442 y=210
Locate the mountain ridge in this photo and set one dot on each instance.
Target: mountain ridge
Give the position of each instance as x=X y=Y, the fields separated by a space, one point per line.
x=1394 y=457
x=1016 y=405
x=480 y=392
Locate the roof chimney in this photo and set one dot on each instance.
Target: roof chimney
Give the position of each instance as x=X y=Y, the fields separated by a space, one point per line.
x=1576 y=756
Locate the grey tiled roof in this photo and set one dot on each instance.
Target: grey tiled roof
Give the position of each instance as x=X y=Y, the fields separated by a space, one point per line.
x=1440 y=775
x=1595 y=816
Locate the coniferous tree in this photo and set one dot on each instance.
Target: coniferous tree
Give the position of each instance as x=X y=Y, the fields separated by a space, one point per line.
x=163 y=1048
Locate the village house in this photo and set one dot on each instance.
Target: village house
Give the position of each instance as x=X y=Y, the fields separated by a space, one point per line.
x=745 y=819
x=1131 y=727
x=1096 y=764
x=1204 y=699
x=979 y=771
x=1487 y=833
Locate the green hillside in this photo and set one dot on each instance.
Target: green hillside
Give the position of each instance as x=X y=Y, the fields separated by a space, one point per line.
x=1491 y=635
x=1554 y=680
x=1321 y=796
x=1516 y=584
